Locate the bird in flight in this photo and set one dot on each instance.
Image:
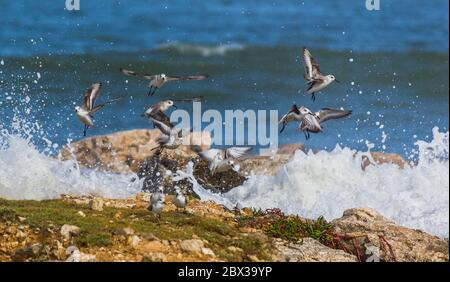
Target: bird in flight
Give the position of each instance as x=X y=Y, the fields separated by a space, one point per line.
x=316 y=81
x=85 y=112
x=310 y=122
x=158 y=80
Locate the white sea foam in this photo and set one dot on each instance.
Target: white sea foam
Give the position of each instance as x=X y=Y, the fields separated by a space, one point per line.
x=327 y=183
x=26 y=173
x=203 y=50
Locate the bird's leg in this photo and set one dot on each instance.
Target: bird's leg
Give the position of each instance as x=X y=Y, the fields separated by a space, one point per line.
x=313 y=96
x=86 y=127
x=150 y=91
x=154 y=91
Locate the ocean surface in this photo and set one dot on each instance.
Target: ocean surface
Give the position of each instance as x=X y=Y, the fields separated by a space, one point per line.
x=393 y=65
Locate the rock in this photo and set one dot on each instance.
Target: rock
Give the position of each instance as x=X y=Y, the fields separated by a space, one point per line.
x=208 y=252
x=193 y=245
x=21 y=219
x=373 y=234
x=234 y=249
x=96 y=204
x=67 y=231
x=127 y=231
x=121 y=152
x=133 y=241
x=309 y=250
x=80 y=213
x=385 y=158
x=267 y=165
x=75 y=255
x=154 y=257
x=30 y=252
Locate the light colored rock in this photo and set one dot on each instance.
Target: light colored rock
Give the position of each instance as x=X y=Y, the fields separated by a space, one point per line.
x=122 y=152
x=133 y=241
x=67 y=231
x=80 y=213
x=193 y=245
x=370 y=232
x=96 y=204
x=127 y=231
x=208 y=252
x=75 y=255
x=309 y=250
x=154 y=257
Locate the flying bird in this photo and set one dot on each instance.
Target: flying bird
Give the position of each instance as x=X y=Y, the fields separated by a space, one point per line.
x=158 y=80
x=316 y=81
x=223 y=160
x=311 y=122
x=85 y=112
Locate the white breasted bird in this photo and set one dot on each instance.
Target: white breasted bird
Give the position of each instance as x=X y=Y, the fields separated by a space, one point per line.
x=180 y=201
x=223 y=160
x=85 y=112
x=158 y=80
x=316 y=81
x=310 y=122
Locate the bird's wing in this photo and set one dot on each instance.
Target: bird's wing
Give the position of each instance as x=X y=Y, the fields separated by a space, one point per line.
x=327 y=114
x=98 y=107
x=236 y=152
x=310 y=122
x=91 y=95
x=162 y=126
x=137 y=74
x=210 y=154
x=312 y=68
x=193 y=99
x=190 y=77
x=161 y=117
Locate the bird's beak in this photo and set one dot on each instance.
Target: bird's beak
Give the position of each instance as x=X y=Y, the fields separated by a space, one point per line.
x=175 y=106
x=337 y=81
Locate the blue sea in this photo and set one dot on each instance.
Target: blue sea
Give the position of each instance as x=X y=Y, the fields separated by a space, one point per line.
x=393 y=63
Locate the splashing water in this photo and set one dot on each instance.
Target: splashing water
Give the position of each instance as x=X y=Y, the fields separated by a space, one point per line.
x=327 y=183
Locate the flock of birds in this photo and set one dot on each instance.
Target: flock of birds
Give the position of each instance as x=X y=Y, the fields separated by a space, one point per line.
x=219 y=159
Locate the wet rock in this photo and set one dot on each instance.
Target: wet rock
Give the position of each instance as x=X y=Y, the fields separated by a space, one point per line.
x=68 y=231
x=367 y=233
x=96 y=204
x=309 y=250
x=151 y=171
x=121 y=152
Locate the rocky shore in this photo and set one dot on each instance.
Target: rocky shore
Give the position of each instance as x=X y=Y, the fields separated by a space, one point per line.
x=97 y=229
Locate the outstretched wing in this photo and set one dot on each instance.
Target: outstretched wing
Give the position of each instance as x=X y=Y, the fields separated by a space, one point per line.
x=91 y=95
x=193 y=99
x=290 y=116
x=165 y=129
x=137 y=74
x=210 y=154
x=236 y=152
x=327 y=114
x=312 y=68
x=98 y=107
x=190 y=77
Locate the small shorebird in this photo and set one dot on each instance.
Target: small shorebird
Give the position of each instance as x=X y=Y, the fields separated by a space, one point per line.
x=223 y=160
x=171 y=137
x=157 y=196
x=310 y=122
x=158 y=80
x=84 y=113
x=179 y=200
x=157 y=207
x=157 y=111
x=316 y=81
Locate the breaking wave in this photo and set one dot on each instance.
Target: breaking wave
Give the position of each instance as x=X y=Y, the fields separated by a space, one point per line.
x=327 y=183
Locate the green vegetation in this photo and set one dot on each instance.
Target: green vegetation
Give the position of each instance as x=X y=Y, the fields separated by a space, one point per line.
x=98 y=228
x=293 y=228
